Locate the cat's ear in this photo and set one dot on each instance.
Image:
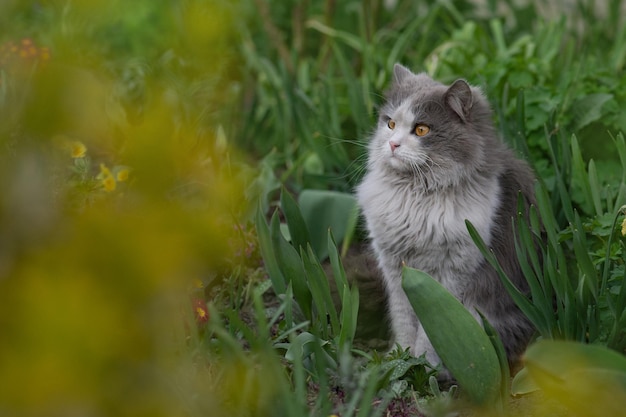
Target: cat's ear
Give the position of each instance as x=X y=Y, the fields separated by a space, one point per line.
x=401 y=73
x=459 y=98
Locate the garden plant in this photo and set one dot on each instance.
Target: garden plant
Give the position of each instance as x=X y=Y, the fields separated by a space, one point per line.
x=179 y=236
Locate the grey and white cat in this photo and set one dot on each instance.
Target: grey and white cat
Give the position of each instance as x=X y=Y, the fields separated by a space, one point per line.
x=434 y=161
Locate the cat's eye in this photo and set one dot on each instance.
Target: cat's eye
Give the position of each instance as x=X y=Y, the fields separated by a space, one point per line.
x=391 y=124
x=421 y=130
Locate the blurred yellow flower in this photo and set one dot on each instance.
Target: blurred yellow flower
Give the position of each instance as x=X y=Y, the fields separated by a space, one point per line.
x=77 y=149
x=200 y=310
x=107 y=178
x=624 y=227
x=122 y=174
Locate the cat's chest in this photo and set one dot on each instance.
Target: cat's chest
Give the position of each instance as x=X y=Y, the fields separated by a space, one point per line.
x=407 y=223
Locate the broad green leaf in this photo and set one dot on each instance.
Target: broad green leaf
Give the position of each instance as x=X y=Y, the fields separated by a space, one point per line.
x=324 y=210
x=557 y=357
x=587 y=379
x=523 y=383
x=458 y=338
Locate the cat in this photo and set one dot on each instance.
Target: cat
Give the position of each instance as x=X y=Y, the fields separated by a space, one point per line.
x=435 y=160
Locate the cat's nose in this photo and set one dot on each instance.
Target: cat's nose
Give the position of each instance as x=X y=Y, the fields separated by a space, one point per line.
x=393 y=145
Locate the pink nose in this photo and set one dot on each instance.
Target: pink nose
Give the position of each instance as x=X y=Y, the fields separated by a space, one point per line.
x=393 y=145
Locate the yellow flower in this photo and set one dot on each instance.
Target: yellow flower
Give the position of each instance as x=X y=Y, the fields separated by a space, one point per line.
x=624 y=227
x=77 y=149
x=122 y=174
x=107 y=178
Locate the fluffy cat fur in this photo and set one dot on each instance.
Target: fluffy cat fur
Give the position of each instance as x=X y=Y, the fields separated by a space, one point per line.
x=419 y=190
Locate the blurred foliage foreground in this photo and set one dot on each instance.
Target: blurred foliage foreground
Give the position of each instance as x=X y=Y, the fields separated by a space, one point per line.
x=114 y=199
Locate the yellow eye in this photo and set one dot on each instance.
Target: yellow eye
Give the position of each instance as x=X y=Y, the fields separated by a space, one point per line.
x=391 y=124
x=421 y=130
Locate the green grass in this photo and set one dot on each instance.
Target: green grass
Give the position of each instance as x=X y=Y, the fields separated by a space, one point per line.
x=169 y=172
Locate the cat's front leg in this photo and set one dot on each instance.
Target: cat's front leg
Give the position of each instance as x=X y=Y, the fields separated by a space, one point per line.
x=404 y=323
x=424 y=347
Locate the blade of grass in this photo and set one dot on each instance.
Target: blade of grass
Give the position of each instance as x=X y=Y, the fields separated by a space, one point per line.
x=320 y=291
x=291 y=267
x=533 y=314
x=505 y=372
x=295 y=222
x=588 y=271
x=595 y=187
x=580 y=176
x=540 y=291
x=267 y=252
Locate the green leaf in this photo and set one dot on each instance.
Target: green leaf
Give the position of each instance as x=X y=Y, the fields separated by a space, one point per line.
x=349 y=39
x=291 y=267
x=320 y=291
x=267 y=252
x=341 y=280
x=505 y=372
x=595 y=187
x=349 y=315
x=588 y=109
x=579 y=174
x=349 y=296
x=520 y=79
x=587 y=379
x=523 y=383
x=324 y=210
x=558 y=357
x=471 y=358
x=297 y=227
x=530 y=310
x=588 y=273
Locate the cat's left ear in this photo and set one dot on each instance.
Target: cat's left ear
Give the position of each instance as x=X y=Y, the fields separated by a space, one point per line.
x=459 y=98
x=401 y=73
